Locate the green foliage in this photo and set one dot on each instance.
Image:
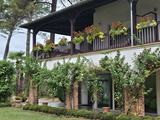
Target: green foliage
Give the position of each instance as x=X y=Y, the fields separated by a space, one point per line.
x=26 y=107
x=7 y=72
x=5 y=104
x=68 y=112
x=65 y=76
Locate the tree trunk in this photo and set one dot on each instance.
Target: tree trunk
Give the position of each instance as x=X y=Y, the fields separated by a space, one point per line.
x=33 y=95
x=21 y=83
x=7 y=45
x=53 y=9
x=17 y=80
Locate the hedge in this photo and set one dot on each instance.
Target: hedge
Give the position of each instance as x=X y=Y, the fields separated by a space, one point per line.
x=84 y=113
x=5 y=104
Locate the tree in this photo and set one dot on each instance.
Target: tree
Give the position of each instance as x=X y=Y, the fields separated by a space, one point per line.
x=18 y=56
x=13 y=12
x=7 y=72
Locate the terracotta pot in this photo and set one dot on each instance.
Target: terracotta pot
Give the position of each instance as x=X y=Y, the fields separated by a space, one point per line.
x=45 y=103
x=106 y=109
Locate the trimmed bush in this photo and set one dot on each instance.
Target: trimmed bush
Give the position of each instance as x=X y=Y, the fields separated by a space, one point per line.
x=5 y=104
x=26 y=107
x=84 y=113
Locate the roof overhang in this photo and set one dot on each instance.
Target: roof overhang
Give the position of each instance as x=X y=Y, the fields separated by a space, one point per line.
x=58 y=22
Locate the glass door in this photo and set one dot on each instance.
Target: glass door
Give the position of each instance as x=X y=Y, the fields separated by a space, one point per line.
x=106 y=99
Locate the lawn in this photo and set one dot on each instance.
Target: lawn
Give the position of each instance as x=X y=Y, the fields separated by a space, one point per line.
x=9 y=113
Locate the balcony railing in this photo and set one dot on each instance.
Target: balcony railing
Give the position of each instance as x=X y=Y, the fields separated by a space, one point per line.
x=148 y=35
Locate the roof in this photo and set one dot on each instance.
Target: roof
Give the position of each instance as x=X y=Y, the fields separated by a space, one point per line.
x=58 y=22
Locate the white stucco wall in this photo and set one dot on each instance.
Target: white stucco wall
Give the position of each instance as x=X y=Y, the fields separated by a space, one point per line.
x=120 y=10
x=96 y=56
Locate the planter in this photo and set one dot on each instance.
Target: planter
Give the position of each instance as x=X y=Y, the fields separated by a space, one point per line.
x=45 y=103
x=147 y=25
x=18 y=101
x=106 y=109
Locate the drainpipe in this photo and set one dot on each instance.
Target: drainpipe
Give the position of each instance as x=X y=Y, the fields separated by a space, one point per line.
x=131 y=10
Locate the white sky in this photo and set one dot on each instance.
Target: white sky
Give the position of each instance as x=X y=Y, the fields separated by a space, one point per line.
x=18 y=42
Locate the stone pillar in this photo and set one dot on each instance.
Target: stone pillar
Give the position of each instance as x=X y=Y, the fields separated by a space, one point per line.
x=137 y=108
x=158 y=91
x=33 y=95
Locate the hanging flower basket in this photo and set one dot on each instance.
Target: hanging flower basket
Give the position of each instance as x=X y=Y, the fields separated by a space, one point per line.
x=145 y=23
x=78 y=37
x=94 y=32
x=117 y=29
x=63 y=41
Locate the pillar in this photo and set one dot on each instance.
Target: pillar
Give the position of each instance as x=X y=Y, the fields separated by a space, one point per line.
x=137 y=108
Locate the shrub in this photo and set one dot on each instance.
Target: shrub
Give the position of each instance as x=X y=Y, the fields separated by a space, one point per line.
x=5 y=104
x=158 y=118
x=26 y=107
x=7 y=72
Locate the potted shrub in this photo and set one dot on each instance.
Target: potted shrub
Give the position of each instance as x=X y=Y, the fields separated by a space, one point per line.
x=63 y=41
x=117 y=29
x=78 y=37
x=145 y=22
x=94 y=32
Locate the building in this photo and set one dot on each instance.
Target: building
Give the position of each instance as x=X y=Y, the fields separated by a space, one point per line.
x=104 y=12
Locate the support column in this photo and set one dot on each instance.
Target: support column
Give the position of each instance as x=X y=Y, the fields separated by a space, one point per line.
x=158 y=91
x=133 y=5
x=34 y=40
x=137 y=108
x=72 y=21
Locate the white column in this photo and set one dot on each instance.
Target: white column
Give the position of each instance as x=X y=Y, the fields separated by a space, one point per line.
x=158 y=91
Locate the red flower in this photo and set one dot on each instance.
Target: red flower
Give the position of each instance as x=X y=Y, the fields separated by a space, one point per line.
x=150 y=64
x=137 y=73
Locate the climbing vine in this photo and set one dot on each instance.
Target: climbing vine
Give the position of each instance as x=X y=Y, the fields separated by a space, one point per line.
x=132 y=80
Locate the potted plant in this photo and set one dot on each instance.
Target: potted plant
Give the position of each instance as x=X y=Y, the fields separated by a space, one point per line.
x=117 y=29
x=18 y=99
x=145 y=22
x=63 y=41
x=94 y=32
x=78 y=37
x=37 y=47
x=48 y=46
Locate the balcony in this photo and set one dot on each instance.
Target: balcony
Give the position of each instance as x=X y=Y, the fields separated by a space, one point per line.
x=148 y=35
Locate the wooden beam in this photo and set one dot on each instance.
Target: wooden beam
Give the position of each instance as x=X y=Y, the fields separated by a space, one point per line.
x=34 y=40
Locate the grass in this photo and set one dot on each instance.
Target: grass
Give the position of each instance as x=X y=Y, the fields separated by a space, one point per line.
x=8 y=113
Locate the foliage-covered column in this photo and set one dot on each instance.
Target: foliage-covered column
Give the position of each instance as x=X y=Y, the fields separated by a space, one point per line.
x=33 y=95
x=75 y=95
x=134 y=107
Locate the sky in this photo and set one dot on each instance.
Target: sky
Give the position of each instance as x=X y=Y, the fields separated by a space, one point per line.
x=18 y=41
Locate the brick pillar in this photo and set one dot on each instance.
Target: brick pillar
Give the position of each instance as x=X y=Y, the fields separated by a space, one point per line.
x=67 y=102
x=137 y=108
x=33 y=95
x=72 y=99
x=75 y=98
